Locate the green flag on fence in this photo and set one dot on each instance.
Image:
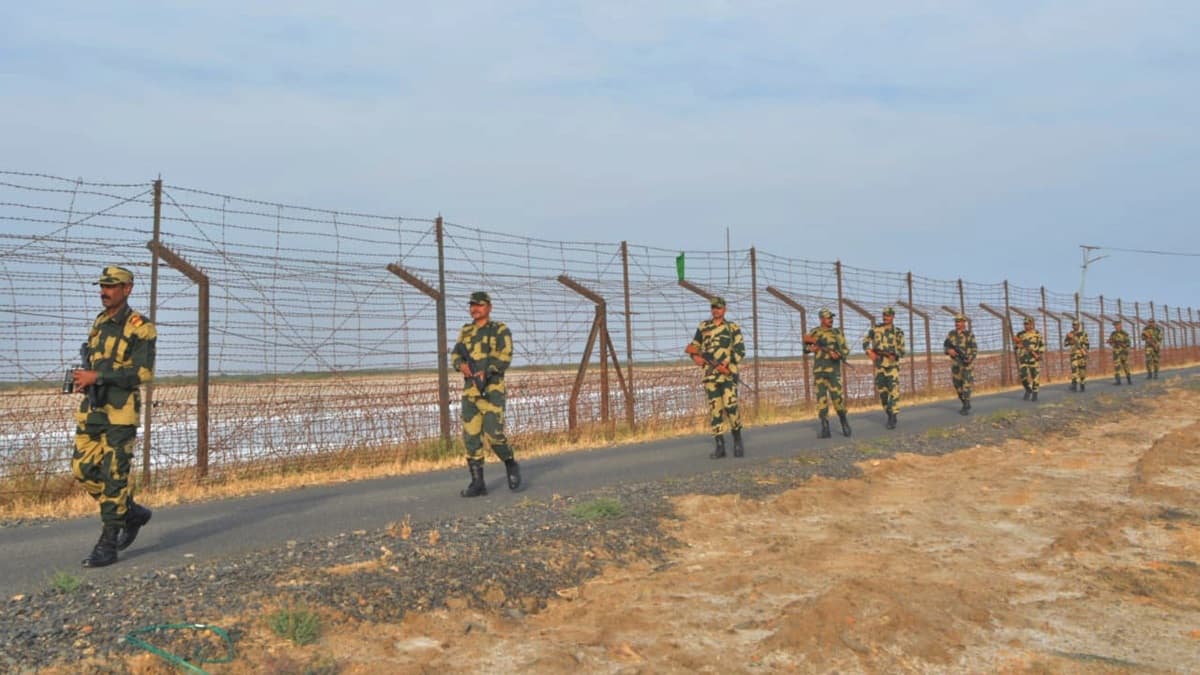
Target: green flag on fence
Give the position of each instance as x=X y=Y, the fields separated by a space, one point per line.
x=679 y=266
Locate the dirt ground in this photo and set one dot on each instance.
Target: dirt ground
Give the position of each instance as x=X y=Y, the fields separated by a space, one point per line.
x=1072 y=555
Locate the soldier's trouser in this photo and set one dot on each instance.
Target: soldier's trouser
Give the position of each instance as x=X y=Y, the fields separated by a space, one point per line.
x=1078 y=368
x=829 y=391
x=1029 y=375
x=887 y=386
x=963 y=377
x=1151 y=360
x=1121 y=363
x=723 y=405
x=101 y=464
x=483 y=418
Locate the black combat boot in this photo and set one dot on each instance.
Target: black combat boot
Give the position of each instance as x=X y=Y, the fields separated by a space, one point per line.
x=1149 y=375
x=477 y=487
x=719 y=451
x=1034 y=399
x=963 y=410
x=891 y=420
x=1128 y=378
x=1028 y=391
x=824 y=428
x=1081 y=386
x=739 y=450
x=514 y=473
x=845 y=423
x=1117 y=379
x=105 y=551
x=1074 y=386
x=136 y=516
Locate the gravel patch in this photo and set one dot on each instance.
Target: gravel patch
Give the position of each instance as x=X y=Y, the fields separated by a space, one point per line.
x=513 y=561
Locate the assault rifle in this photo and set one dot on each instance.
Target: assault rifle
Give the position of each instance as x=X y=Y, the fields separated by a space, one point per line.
x=710 y=361
x=881 y=354
x=94 y=392
x=960 y=355
x=479 y=377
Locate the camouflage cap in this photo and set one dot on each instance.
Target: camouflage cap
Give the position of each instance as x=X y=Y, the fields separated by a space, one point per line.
x=481 y=298
x=826 y=314
x=1150 y=320
x=889 y=311
x=1029 y=321
x=716 y=301
x=960 y=317
x=114 y=275
x=1074 y=324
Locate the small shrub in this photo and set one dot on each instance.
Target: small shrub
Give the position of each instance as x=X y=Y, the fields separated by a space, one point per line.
x=598 y=509
x=298 y=624
x=65 y=582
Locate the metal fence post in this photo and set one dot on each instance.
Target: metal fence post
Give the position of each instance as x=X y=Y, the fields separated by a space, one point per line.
x=148 y=413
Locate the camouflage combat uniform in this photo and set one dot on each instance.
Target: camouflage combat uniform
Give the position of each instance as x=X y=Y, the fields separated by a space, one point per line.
x=825 y=344
x=1077 y=341
x=888 y=344
x=963 y=349
x=1152 y=335
x=121 y=350
x=118 y=359
x=1029 y=347
x=1120 y=342
x=490 y=345
x=722 y=343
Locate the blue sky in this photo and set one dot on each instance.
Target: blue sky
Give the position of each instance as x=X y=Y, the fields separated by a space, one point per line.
x=986 y=140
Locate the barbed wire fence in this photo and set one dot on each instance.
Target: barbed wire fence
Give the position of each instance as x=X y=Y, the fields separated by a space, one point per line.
x=316 y=336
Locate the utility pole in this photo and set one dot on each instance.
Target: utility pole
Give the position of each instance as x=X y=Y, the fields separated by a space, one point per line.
x=1087 y=251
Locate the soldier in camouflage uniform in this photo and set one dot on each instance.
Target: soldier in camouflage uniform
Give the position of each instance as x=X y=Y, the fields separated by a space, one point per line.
x=482 y=354
x=718 y=347
x=1030 y=347
x=120 y=358
x=960 y=346
x=884 y=344
x=1152 y=335
x=1120 y=342
x=1077 y=342
x=829 y=349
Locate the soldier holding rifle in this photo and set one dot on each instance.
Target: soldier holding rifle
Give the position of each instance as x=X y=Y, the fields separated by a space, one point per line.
x=829 y=349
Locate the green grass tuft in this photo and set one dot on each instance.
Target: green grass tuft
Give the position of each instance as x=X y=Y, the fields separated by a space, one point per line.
x=298 y=624
x=598 y=509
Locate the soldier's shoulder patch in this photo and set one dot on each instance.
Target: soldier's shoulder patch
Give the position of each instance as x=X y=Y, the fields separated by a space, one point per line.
x=136 y=319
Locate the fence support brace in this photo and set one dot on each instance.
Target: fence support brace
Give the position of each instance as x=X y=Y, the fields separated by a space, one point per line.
x=201 y=282
x=607 y=350
x=787 y=300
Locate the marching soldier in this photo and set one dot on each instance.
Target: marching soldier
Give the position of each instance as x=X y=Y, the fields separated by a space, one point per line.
x=1077 y=342
x=960 y=346
x=1152 y=335
x=119 y=359
x=829 y=349
x=884 y=344
x=482 y=354
x=717 y=347
x=1120 y=342
x=1029 y=347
